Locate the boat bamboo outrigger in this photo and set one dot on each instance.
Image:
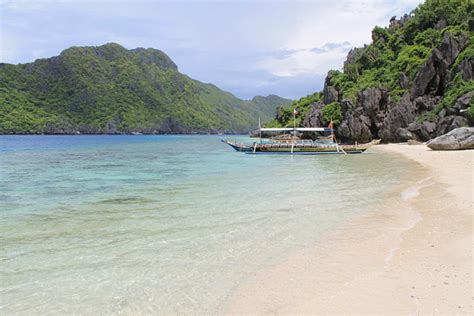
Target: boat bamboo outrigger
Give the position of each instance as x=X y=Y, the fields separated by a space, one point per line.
x=292 y=144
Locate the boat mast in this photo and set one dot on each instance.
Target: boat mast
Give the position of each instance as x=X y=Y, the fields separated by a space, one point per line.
x=294 y=127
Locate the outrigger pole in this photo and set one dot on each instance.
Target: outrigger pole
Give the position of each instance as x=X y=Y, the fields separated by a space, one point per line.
x=334 y=138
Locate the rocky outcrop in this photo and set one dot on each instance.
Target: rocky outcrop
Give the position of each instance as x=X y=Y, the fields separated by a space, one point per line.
x=431 y=79
x=374 y=102
x=403 y=81
x=422 y=131
x=466 y=69
x=459 y=138
x=397 y=119
x=455 y=116
x=376 y=116
x=462 y=104
x=355 y=125
x=449 y=123
x=355 y=128
x=314 y=117
x=330 y=93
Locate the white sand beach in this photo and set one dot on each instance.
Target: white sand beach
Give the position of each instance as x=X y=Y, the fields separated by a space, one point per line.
x=415 y=257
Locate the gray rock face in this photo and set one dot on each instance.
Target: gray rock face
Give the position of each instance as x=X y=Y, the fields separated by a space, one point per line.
x=441 y=24
x=355 y=124
x=463 y=102
x=352 y=56
x=170 y=125
x=430 y=79
x=373 y=100
x=399 y=116
x=459 y=138
x=426 y=103
x=330 y=94
x=355 y=128
x=466 y=68
x=314 y=118
x=111 y=126
x=405 y=135
x=451 y=46
x=403 y=80
x=65 y=128
x=423 y=131
x=449 y=123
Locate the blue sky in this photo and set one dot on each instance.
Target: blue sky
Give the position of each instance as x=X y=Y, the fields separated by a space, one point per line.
x=246 y=47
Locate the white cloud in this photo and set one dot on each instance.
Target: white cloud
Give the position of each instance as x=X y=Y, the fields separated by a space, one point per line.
x=348 y=22
x=304 y=61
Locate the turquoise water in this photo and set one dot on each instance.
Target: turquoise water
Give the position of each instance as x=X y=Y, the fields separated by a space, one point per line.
x=162 y=224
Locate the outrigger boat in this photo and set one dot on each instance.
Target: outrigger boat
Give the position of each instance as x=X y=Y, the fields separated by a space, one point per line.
x=293 y=145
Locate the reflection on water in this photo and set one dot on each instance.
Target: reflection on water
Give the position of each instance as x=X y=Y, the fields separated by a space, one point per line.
x=155 y=224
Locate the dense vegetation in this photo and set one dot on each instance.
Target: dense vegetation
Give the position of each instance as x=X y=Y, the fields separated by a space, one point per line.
x=393 y=60
x=110 y=89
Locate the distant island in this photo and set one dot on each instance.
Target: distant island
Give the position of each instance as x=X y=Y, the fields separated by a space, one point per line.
x=111 y=90
x=414 y=81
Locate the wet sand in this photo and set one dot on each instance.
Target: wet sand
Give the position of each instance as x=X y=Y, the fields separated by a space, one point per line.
x=412 y=257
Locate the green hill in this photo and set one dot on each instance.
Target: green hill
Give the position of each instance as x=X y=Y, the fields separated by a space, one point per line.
x=109 y=89
x=413 y=81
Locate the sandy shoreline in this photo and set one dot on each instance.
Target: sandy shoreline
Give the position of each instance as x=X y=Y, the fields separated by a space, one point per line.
x=414 y=257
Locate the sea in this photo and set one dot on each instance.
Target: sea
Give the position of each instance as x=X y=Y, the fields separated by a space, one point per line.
x=164 y=224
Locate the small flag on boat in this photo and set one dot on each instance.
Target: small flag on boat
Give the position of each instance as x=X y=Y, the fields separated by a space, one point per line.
x=295 y=111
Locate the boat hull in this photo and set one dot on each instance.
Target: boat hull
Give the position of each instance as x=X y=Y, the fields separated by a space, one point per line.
x=236 y=146
x=307 y=152
x=301 y=149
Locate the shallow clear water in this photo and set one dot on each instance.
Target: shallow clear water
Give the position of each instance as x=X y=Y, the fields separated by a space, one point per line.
x=157 y=224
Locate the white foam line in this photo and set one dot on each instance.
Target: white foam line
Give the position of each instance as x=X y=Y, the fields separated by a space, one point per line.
x=414 y=191
x=406 y=195
x=417 y=218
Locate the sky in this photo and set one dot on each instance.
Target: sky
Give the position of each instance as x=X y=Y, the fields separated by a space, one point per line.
x=245 y=47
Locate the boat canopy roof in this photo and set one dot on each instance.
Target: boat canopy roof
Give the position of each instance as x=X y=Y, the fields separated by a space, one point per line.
x=298 y=129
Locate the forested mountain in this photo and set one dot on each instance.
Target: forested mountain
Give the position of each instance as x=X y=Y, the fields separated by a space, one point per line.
x=414 y=80
x=109 y=89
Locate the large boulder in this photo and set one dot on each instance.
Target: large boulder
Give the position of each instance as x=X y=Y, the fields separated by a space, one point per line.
x=423 y=131
x=459 y=138
x=404 y=135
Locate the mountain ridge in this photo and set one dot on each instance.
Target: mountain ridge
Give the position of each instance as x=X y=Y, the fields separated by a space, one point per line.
x=109 y=89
